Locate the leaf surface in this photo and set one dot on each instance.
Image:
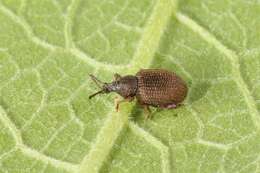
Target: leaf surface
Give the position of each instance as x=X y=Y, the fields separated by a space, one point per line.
x=48 y=48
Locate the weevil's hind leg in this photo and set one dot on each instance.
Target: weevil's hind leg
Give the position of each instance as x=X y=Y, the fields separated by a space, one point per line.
x=180 y=104
x=119 y=100
x=147 y=112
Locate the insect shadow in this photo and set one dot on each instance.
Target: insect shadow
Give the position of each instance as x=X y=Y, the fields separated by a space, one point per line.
x=136 y=113
x=197 y=91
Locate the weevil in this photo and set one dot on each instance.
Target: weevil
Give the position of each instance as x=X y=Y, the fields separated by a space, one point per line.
x=151 y=87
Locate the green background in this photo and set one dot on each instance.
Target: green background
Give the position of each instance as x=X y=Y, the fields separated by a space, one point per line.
x=48 y=48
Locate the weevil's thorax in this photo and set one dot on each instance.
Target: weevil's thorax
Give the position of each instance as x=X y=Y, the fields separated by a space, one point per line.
x=125 y=86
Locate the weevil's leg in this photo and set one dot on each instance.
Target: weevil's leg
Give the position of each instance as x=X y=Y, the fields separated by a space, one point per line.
x=120 y=100
x=117 y=101
x=180 y=104
x=147 y=112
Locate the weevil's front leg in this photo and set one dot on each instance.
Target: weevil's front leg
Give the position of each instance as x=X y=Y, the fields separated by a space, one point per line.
x=120 y=100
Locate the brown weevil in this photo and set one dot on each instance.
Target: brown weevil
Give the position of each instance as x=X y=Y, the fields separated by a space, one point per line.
x=151 y=87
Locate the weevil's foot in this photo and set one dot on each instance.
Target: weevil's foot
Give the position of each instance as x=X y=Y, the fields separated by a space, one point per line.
x=116 y=102
x=117 y=107
x=147 y=116
x=174 y=106
x=171 y=106
x=180 y=104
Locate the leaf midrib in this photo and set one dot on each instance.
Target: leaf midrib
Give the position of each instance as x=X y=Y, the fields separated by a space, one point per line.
x=143 y=57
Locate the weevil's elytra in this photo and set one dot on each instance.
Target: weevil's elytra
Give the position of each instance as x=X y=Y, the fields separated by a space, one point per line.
x=151 y=87
x=160 y=88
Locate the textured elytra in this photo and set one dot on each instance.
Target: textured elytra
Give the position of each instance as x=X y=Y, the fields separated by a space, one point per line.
x=160 y=88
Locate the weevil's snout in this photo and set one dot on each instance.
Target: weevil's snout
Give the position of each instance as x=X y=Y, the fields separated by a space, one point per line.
x=106 y=88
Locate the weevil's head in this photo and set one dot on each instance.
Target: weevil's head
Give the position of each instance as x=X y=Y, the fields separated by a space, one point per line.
x=125 y=86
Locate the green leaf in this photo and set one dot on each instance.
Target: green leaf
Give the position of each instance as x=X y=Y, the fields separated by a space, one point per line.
x=48 y=48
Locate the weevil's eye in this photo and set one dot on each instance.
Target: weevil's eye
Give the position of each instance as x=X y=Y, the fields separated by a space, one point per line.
x=116 y=76
x=117 y=84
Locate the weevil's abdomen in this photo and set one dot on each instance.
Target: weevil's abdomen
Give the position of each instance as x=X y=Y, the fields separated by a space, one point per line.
x=160 y=88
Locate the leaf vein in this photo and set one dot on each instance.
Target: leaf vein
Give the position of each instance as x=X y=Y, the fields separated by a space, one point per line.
x=91 y=61
x=233 y=58
x=142 y=59
x=26 y=28
x=68 y=24
x=214 y=144
x=164 y=150
x=11 y=126
x=28 y=151
x=48 y=160
x=75 y=51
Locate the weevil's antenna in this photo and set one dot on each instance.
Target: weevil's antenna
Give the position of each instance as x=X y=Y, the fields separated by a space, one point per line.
x=99 y=92
x=96 y=80
x=99 y=83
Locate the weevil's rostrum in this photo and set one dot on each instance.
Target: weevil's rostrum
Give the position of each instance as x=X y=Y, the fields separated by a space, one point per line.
x=151 y=87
